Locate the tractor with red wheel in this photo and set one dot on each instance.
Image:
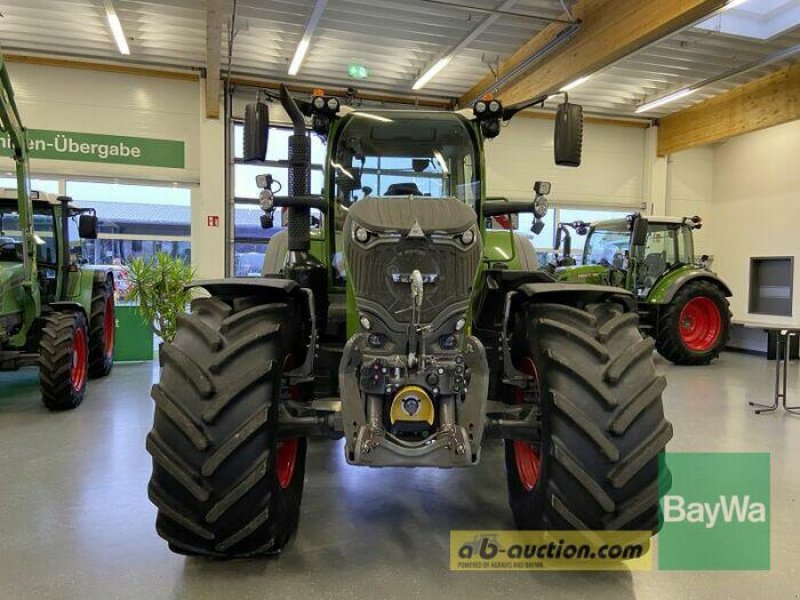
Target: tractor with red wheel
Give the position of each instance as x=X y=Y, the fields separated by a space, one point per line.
x=55 y=314
x=397 y=320
x=682 y=304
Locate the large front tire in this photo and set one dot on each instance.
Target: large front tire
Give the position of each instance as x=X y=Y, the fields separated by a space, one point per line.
x=63 y=360
x=223 y=483
x=695 y=326
x=102 y=329
x=602 y=422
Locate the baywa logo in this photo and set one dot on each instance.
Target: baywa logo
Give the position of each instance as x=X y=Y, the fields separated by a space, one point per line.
x=716 y=514
x=729 y=509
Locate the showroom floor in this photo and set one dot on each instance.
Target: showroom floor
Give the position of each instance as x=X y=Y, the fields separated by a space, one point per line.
x=76 y=523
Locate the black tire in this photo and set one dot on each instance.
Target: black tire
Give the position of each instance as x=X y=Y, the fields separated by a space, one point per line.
x=63 y=360
x=603 y=423
x=214 y=437
x=101 y=353
x=669 y=342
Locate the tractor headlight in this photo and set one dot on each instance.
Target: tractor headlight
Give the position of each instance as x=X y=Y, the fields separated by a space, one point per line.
x=480 y=107
x=468 y=237
x=365 y=322
x=494 y=106
x=318 y=102
x=460 y=324
x=333 y=105
x=361 y=234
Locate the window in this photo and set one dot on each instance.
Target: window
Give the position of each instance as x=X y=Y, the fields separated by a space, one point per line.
x=390 y=154
x=250 y=239
x=134 y=220
x=40 y=185
x=771 y=285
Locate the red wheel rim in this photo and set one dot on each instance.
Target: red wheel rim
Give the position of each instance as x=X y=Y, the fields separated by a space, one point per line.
x=80 y=359
x=285 y=461
x=526 y=456
x=700 y=324
x=286 y=456
x=109 y=326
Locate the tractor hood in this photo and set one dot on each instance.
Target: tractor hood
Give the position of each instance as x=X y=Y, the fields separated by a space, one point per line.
x=391 y=213
x=388 y=241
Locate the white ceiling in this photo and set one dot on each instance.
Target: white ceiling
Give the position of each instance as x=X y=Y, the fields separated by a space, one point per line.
x=396 y=39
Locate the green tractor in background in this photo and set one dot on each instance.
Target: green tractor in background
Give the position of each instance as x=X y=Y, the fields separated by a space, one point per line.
x=54 y=313
x=396 y=321
x=683 y=305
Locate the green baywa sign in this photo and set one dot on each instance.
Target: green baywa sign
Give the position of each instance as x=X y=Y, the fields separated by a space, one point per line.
x=100 y=148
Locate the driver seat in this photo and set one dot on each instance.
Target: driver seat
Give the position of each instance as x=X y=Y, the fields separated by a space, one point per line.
x=403 y=189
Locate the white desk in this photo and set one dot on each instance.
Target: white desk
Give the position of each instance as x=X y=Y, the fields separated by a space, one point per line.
x=783 y=333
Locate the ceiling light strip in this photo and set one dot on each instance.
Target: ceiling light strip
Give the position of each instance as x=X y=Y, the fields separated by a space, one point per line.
x=116 y=27
x=682 y=93
x=305 y=41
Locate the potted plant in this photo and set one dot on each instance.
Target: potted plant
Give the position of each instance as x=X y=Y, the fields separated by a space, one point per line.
x=158 y=284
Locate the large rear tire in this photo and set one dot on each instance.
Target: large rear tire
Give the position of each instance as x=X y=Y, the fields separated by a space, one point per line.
x=63 y=360
x=102 y=329
x=602 y=422
x=695 y=326
x=223 y=483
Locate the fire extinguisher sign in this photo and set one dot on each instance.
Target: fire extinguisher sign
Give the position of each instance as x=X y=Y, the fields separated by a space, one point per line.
x=213 y=220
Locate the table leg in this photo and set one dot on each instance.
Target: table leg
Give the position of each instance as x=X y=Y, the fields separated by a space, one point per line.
x=780 y=340
x=792 y=409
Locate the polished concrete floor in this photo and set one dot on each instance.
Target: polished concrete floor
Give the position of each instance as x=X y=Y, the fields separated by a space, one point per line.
x=75 y=521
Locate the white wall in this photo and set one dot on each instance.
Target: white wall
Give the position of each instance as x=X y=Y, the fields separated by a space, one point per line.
x=110 y=103
x=120 y=104
x=756 y=207
x=612 y=172
x=747 y=189
x=689 y=192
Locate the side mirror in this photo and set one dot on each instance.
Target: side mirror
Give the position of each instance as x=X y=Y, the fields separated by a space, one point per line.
x=639 y=233
x=87 y=227
x=537 y=226
x=568 y=137
x=256 y=132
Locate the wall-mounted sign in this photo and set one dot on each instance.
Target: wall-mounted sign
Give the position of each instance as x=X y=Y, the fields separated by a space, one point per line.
x=213 y=220
x=100 y=148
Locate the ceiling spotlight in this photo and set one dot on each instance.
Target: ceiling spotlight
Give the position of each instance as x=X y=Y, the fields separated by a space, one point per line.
x=431 y=73
x=665 y=100
x=576 y=83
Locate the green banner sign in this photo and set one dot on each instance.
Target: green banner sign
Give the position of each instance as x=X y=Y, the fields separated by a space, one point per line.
x=99 y=148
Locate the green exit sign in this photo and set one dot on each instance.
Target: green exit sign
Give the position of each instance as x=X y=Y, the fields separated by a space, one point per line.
x=358 y=71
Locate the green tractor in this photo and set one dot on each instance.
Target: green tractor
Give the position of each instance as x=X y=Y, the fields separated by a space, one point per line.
x=54 y=313
x=682 y=304
x=397 y=321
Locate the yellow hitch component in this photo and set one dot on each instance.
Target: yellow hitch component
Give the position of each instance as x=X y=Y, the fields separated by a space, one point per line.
x=412 y=403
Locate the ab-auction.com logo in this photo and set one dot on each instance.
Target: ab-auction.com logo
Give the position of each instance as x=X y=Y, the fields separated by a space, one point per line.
x=549 y=550
x=715 y=515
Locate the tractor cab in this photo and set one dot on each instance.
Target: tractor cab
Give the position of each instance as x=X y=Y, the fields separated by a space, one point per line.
x=52 y=217
x=639 y=250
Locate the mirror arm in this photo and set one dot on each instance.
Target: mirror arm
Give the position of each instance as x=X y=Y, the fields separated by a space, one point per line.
x=512 y=110
x=317 y=202
x=514 y=207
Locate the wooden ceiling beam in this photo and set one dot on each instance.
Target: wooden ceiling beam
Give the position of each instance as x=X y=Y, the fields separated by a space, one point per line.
x=610 y=30
x=765 y=102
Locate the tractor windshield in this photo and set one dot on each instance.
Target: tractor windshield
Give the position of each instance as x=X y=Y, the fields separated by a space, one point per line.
x=11 y=236
x=607 y=244
x=402 y=153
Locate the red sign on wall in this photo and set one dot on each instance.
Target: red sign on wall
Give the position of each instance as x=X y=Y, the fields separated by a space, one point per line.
x=213 y=220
